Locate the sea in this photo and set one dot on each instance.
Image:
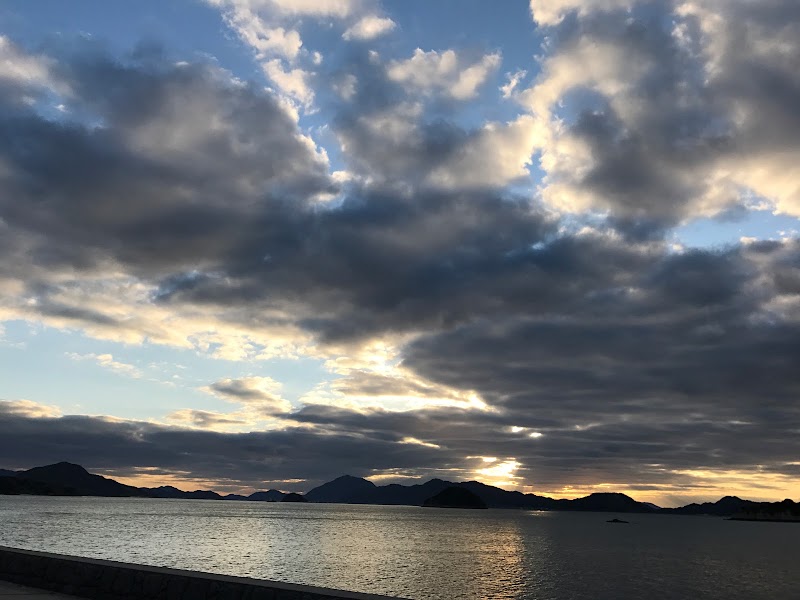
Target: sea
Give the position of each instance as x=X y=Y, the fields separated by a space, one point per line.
x=424 y=553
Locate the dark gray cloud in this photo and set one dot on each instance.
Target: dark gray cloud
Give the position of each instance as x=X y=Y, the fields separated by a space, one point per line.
x=252 y=459
x=157 y=165
x=690 y=367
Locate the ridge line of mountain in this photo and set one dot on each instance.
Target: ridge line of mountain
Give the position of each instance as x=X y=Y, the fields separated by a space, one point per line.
x=73 y=480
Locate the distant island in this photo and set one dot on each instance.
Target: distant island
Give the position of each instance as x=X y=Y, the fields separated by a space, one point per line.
x=67 y=479
x=293 y=497
x=785 y=511
x=455 y=497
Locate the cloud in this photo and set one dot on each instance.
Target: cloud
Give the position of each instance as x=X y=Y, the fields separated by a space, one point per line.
x=292 y=82
x=269 y=27
x=265 y=40
x=262 y=393
x=254 y=460
x=174 y=204
x=666 y=356
x=394 y=147
x=369 y=27
x=495 y=156
x=294 y=8
x=367 y=387
x=513 y=81
x=443 y=72
x=660 y=119
x=261 y=407
x=551 y=12
x=107 y=362
x=205 y=419
x=190 y=170
x=346 y=86
x=27 y=409
x=22 y=69
x=314 y=8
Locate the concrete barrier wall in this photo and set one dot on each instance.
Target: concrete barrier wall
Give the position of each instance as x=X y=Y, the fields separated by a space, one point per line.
x=110 y=580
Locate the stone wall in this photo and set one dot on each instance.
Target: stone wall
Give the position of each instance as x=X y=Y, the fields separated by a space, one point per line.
x=109 y=580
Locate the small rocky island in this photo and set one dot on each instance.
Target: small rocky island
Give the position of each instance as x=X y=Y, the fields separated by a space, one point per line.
x=292 y=497
x=455 y=497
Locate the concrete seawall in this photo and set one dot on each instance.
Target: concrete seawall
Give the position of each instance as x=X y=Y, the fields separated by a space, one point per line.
x=110 y=580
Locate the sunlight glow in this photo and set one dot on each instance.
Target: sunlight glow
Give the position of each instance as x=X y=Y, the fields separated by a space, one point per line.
x=413 y=440
x=500 y=473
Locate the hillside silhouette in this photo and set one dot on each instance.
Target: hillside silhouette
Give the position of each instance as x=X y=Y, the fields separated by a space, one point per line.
x=455 y=497
x=68 y=479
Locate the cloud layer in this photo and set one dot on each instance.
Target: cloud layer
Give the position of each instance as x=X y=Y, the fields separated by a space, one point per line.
x=476 y=318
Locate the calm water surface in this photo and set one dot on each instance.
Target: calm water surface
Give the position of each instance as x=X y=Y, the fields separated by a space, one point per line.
x=424 y=554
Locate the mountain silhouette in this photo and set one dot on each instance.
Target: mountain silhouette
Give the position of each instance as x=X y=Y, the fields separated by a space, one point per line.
x=168 y=491
x=292 y=497
x=234 y=497
x=724 y=507
x=69 y=475
x=785 y=510
x=14 y=486
x=354 y=490
x=164 y=491
x=605 y=502
x=67 y=479
x=268 y=496
x=455 y=497
x=344 y=489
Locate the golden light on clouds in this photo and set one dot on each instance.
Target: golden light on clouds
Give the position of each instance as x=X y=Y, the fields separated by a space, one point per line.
x=500 y=473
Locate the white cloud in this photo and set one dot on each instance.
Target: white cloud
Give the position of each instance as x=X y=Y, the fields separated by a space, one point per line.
x=292 y=82
x=346 y=86
x=369 y=27
x=261 y=406
x=107 y=362
x=313 y=8
x=443 y=72
x=266 y=26
x=550 y=12
x=498 y=154
x=372 y=379
x=22 y=68
x=29 y=408
x=513 y=80
x=27 y=76
x=265 y=40
x=126 y=314
x=316 y=8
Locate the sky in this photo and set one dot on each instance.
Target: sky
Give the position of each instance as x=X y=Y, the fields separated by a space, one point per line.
x=548 y=245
